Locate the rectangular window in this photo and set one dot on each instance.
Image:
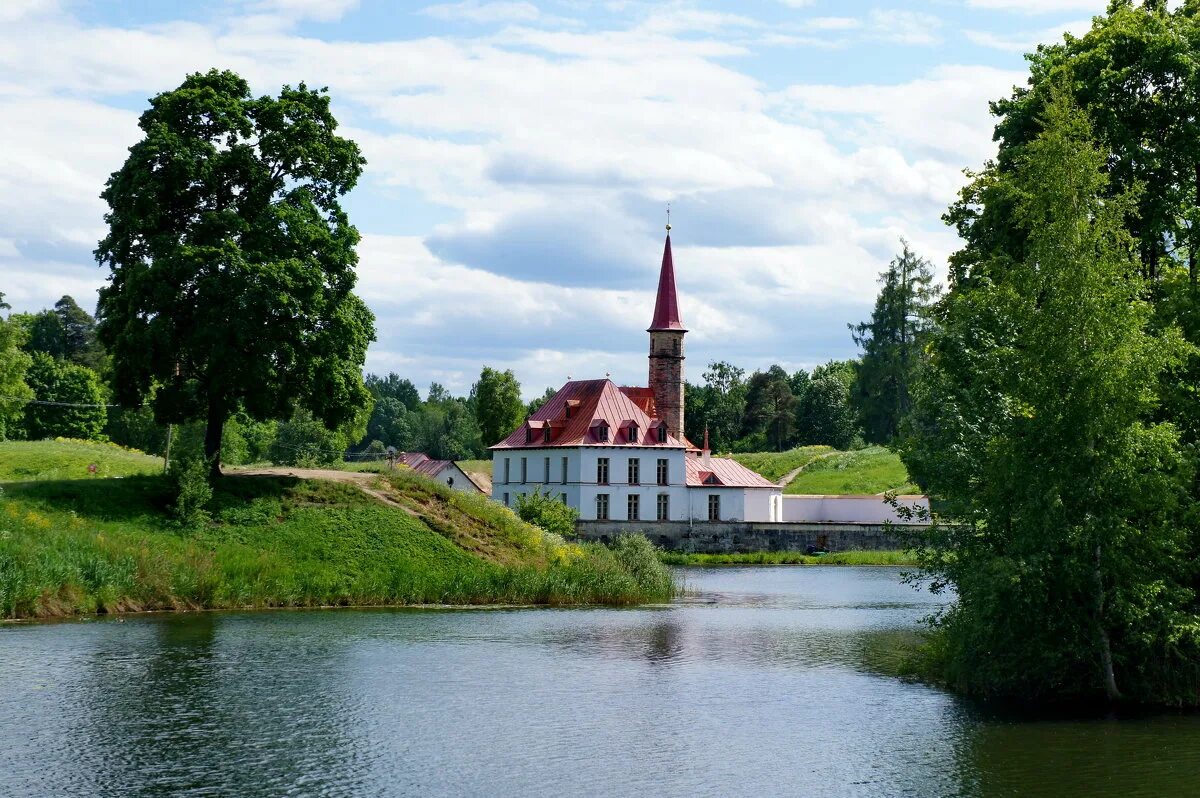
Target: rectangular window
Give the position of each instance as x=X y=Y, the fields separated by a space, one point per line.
x=635 y=471
x=564 y=471
x=506 y=500
x=602 y=471
x=664 y=472
x=714 y=507
x=524 y=470
x=664 y=507
x=507 y=464
x=662 y=434
x=547 y=479
x=546 y=434
x=635 y=507
x=602 y=507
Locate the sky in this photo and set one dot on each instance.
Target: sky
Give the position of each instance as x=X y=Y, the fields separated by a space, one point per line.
x=521 y=156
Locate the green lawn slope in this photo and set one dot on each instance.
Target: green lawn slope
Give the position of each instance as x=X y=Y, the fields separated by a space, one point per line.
x=21 y=461
x=871 y=470
x=71 y=546
x=775 y=465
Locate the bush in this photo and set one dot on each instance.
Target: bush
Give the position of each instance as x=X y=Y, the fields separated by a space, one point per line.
x=548 y=513
x=193 y=492
x=640 y=558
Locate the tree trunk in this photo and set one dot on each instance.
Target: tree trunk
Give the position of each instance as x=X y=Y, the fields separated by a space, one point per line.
x=1192 y=254
x=213 y=432
x=1105 y=646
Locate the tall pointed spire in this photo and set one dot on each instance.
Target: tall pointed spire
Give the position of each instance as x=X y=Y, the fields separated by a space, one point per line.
x=666 y=306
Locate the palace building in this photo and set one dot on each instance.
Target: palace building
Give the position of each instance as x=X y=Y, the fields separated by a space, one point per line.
x=619 y=453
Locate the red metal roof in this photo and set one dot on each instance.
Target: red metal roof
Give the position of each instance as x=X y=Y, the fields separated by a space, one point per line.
x=421 y=463
x=594 y=404
x=666 y=306
x=723 y=472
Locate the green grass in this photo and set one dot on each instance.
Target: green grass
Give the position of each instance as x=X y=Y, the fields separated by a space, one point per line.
x=473 y=467
x=868 y=471
x=791 y=558
x=774 y=465
x=107 y=545
x=21 y=461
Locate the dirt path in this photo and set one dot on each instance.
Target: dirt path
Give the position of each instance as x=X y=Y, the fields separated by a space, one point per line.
x=787 y=478
x=364 y=480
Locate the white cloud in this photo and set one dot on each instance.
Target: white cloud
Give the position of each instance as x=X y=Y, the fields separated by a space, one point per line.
x=1040 y=6
x=483 y=12
x=1027 y=41
x=904 y=27
x=294 y=10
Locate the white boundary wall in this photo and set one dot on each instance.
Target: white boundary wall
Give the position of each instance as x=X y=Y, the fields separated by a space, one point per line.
x=850 y=509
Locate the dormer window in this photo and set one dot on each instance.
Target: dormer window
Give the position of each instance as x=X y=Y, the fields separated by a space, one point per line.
x=546 y=434
x=602 y=432
x=632 y=433
x=662 y=433
x=528 y=434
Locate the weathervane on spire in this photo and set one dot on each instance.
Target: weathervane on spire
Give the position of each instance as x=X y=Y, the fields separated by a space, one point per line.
x=668 y=217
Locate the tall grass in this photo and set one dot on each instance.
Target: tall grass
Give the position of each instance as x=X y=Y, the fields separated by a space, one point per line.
x=792 y=558
x=108 y=546
x=66 y=458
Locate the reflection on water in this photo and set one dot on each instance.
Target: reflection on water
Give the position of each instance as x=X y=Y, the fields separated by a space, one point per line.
x=759 y=683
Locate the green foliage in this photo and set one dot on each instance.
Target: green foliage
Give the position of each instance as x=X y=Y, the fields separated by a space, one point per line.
x=22 y=461
x=14 y=392
x=893 y=344
x=774 y=465
x=78 y=411
x=193 y=492
x=640 y=558
x=1074 y=557
x=232 y=262
x=825 y=414
x=770 y=407
x=549 y=513
x=304 y=441
x=718 y=405
x=499 y=410
x=393 y=386
x=873 y=470
x=534 y=405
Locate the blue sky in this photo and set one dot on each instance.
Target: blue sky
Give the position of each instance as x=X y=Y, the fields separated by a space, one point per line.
x=521 y=154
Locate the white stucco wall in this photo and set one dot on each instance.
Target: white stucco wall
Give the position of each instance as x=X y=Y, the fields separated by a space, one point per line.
x=853 y=509
x=456 y=478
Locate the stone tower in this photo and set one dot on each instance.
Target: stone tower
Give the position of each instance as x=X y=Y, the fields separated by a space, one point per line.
x=666 y=348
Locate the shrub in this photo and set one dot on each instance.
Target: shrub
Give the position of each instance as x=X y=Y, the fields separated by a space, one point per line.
x=640 y=558
x=548 y=513
x=193 y=492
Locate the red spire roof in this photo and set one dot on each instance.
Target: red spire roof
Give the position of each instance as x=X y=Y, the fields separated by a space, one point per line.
x=666 y=307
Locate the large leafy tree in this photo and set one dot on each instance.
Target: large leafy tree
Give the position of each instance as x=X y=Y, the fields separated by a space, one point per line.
x=496 y=399
x=893 y=342
x=14 y=363
x=1073 y=564
x=70 y=400
x=233 y=262
x=824 y=414
x=394 y=386
x=770 y=406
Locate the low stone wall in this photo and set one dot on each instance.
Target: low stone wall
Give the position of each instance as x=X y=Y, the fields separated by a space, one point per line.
x=713 y=537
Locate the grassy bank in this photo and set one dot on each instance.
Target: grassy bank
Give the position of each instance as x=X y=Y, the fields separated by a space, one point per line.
x=872 y=470
x=791 y=558
x=22 y=461
x=73 y=546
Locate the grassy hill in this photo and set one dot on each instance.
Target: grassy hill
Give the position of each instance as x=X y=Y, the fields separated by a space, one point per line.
x=871 y=470
x=85 y=545
x=774 y=465
x=21 y=461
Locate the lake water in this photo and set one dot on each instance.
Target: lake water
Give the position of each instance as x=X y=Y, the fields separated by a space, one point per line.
x=759 y=683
